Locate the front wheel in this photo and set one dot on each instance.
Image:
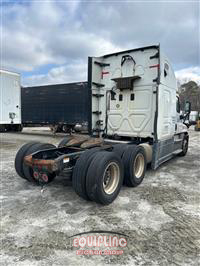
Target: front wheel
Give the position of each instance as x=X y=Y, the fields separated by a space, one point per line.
x=184 y=146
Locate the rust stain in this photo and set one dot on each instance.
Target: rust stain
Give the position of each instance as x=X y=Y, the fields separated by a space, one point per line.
x=77 y=141
x=50 y=165
x=92 y=142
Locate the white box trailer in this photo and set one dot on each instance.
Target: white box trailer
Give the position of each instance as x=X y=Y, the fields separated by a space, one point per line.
x=10 y=101
x=134 y=120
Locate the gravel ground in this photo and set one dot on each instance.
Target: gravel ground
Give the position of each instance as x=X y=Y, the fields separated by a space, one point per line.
x=161 y=217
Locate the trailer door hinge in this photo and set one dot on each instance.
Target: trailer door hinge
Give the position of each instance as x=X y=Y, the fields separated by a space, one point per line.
x=101 y=64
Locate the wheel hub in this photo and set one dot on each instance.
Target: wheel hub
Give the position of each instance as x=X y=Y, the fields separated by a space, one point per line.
x=111 y=178
x=139 y=164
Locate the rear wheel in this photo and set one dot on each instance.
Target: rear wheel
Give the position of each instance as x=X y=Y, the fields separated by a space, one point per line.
x=120 y=149
x=19 y=128
x=2 y=128
x=135 y=163
x=66 y=129
x=28 y=171
x=19 y=158
x=104 y=177
x=80 y=172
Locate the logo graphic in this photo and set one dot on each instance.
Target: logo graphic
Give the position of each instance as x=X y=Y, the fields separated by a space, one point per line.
x=109 y=242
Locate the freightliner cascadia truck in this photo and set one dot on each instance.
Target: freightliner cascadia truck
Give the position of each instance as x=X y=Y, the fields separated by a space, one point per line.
x=134 y=120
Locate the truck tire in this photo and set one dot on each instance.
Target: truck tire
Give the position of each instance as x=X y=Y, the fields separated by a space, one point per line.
x=64 y=141
x=19 y=158
x=66 y=129
x=134 y=159
x=28 y=171
x=184 y=146
x=18 y=128
x=197 y=127
x=2 y=128
x=119 y=149
x=104 y=177
x=80 y=172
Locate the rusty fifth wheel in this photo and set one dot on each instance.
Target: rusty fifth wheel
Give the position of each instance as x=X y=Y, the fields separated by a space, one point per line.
x=104 y=177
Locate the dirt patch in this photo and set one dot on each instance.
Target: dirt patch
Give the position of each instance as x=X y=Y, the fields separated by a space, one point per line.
x=160 y=217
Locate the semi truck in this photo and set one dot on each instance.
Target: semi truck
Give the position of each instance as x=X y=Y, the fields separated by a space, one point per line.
x=134 y=120
x=62 y=107
x=10 y=101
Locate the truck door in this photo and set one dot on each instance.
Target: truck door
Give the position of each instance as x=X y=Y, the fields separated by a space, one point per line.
x=130 y=110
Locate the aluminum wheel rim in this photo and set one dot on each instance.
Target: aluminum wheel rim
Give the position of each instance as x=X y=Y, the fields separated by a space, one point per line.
x=138 y=167
x=111 y=178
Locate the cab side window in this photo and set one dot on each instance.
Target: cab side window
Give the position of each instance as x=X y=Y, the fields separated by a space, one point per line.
x=166 y=70
x=178 y=109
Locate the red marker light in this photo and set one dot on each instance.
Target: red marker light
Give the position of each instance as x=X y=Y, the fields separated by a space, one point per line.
x=158 y=65
x=36 y=175
x=45 y=177
x=104 y=73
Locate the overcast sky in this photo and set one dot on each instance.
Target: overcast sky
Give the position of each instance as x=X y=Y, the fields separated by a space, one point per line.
x=49 y=41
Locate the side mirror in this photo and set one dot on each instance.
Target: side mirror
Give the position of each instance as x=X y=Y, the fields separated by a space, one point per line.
x=187 y=107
